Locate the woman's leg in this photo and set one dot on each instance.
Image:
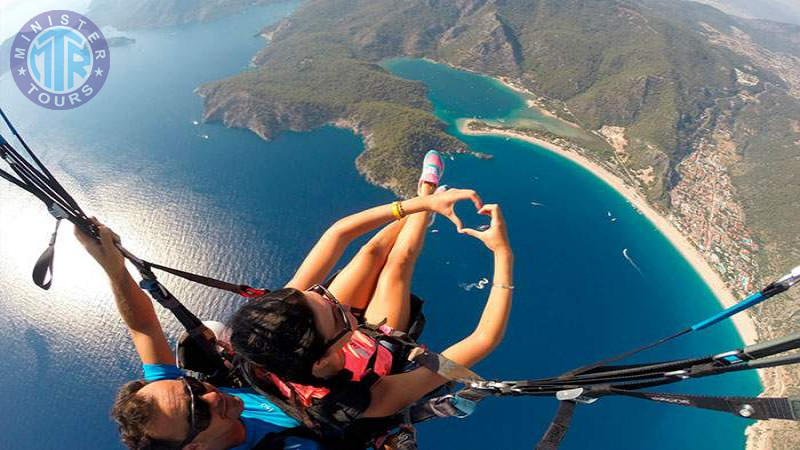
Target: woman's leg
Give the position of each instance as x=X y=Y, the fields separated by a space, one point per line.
x=355 y=283
x=392 y=297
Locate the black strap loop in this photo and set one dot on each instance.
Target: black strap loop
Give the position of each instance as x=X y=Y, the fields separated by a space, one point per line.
x=43 y=269
x=558 y=427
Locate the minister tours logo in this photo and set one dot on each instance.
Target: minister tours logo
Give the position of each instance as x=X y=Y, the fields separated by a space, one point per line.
x=60 y=59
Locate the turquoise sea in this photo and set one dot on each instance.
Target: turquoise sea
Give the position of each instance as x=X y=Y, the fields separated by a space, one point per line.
x=240 y=208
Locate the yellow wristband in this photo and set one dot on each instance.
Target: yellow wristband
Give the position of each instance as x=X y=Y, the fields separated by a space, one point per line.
x=396 y=211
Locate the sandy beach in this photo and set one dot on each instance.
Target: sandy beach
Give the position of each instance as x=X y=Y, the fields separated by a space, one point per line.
x=744 y=325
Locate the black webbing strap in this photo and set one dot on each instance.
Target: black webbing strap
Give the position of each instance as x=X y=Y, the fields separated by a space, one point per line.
x=240 y=289
x=760 y=408
x=44 y=170
x=43 y=269
x=598 y=364
x=558 y=427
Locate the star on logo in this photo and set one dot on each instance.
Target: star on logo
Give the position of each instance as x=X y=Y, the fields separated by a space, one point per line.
x=98 y=72
x=21 y=71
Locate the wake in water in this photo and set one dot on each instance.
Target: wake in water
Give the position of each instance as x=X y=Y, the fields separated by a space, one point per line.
x=625 y=254
x=479 y=285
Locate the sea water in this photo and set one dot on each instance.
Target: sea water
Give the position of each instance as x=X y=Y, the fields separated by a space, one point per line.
x=223 y=202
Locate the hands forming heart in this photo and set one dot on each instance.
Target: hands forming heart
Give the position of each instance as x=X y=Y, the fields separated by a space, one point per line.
x=495 y=237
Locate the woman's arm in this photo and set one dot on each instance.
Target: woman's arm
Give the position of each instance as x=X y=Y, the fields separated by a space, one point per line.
x=395 y=392
x=334 y=241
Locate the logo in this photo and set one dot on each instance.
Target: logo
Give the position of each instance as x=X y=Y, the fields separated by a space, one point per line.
x=678 y=401
x=60 y=59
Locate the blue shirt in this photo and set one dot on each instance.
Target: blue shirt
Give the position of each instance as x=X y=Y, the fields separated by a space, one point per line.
x=260 y=416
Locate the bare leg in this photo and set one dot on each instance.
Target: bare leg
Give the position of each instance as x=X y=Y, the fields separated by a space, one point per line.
x=356 y=282
x=391 y=300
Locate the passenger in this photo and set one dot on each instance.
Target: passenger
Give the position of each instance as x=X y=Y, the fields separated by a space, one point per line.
x=303 y=343
x=166 y=409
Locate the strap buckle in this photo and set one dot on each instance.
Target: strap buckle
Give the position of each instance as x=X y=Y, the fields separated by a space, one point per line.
x=577 y=395
x=501 y=387
x=57 y=211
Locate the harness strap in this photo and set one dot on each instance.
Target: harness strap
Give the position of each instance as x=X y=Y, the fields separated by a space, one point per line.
x=443 y=366
x=370 y=377
x=240 y=289
x=432 y=361
x=558 y=427
x=759 y=408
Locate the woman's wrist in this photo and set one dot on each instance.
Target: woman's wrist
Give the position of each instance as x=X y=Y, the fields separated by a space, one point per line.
x=503 y=268
x=504 y=252
x=416 y=204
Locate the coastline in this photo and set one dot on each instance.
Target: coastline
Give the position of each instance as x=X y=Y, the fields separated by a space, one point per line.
x=758 y=436
x=743 y=323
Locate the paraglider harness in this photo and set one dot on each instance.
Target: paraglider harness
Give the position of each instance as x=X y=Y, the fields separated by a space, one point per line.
x=583 y=385
x=337 y=415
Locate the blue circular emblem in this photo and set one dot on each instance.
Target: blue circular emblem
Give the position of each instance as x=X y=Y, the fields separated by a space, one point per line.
x=60 y=59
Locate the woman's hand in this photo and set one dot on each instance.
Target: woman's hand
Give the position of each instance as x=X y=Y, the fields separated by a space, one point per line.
x=496 y=236
x=443 y=203
x=105 y=252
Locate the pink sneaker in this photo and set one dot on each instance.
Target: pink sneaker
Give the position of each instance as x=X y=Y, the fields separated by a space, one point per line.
x=432 y=168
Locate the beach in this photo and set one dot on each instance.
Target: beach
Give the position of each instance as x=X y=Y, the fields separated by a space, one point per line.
x=743 y=323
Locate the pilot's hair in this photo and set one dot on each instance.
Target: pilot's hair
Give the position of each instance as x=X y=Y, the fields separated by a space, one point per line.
x=132 y=413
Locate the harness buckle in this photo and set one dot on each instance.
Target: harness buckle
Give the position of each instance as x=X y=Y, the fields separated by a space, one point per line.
x=502 y=387
x=728 y=358
x=575 y=395
x=57 y=211
x=682 y=374
x=154 y=288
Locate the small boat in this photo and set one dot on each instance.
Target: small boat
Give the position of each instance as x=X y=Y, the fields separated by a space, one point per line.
x=204 y=136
